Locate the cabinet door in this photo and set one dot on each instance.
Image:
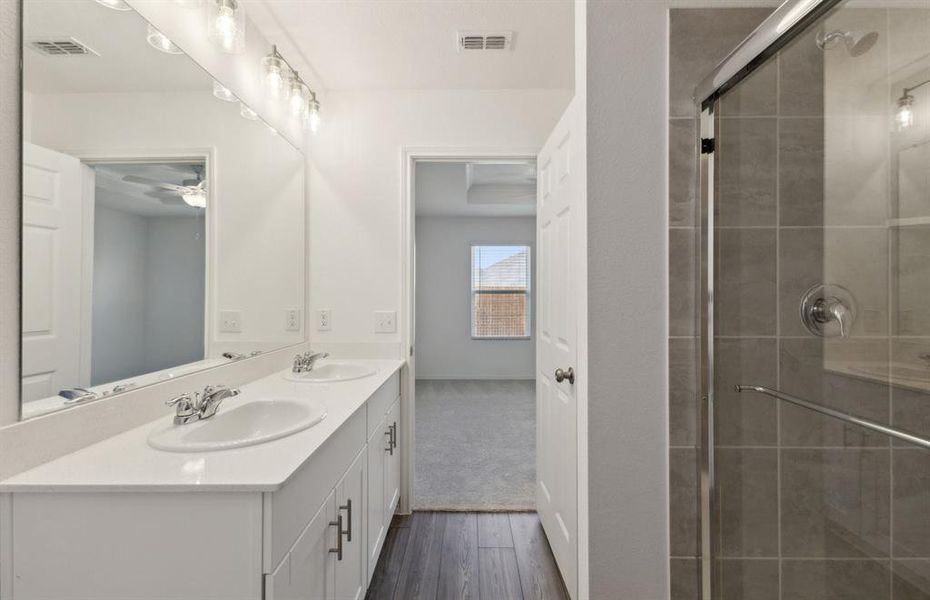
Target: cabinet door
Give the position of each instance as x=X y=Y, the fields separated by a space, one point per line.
x=376 y=526
x=307 y=572
x=351 y=568
x=392 y=465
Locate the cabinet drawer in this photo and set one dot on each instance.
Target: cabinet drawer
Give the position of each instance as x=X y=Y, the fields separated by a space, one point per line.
x=381 y=401
x=288 y=510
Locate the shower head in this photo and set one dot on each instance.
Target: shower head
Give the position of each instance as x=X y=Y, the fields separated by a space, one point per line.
x=857 y=42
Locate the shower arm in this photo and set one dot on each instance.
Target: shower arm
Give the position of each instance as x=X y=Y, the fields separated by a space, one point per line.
x=908 y=90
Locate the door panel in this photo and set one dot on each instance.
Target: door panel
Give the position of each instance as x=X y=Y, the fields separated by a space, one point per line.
x=559 y=194
x=351 y=574
x=52 y=266
x=377 y=522
x=306 y=573
x=392 y=465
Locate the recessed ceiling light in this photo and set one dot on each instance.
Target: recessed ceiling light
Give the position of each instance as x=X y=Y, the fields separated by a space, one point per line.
x=114 y=4
x=160 y=41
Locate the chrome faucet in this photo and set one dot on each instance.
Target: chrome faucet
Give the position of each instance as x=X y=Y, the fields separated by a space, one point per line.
x=305 y=362
x=76 y=395
x=196 y=406
x=833 y=309
x=240 y=356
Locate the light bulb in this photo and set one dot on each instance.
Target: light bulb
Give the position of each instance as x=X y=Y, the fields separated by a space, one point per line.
x=904 y=116
x=160 y=41
x=277 y=76
x=313 y=116
x=195 y=197
x=226 y=25
x=115 y=4
x=300 y=96
x=247 y=113
x=222 y=92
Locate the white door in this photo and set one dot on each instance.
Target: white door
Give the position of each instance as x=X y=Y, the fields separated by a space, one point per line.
x=559 y=191
x=351 y=567
x=52 y=266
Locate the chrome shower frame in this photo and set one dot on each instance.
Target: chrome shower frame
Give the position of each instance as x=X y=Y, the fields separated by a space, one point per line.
x=782 y=26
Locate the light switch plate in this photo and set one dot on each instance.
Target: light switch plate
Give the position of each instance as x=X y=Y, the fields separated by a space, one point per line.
x=292 y=319
x=230 y=321
x=324 y=320
x=385 y=321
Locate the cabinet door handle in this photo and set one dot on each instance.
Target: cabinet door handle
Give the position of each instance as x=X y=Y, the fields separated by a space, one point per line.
x=338 y=549
x=348 y=508
x=394 y=434
x=390 y=434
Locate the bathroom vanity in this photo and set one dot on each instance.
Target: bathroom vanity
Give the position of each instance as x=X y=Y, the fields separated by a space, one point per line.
x=304 y=516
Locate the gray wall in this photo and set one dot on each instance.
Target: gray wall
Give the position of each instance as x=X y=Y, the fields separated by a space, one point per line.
x=445 y=348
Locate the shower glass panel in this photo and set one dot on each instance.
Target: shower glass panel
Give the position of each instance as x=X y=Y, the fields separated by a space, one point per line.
x=818 y=205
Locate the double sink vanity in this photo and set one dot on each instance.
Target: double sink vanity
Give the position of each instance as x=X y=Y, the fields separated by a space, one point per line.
x=286 y=492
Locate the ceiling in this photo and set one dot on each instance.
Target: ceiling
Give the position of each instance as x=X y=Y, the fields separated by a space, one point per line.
x=113 y=192
x=412 y=44
x=485 y=189
x=126 y=62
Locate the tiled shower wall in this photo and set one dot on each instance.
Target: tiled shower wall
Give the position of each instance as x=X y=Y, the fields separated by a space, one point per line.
x=809 y=508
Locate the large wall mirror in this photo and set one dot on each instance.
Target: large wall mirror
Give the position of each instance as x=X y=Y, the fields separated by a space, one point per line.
x=163 y=222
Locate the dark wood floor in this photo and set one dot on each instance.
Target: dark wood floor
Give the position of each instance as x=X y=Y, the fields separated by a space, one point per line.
x=474 y=556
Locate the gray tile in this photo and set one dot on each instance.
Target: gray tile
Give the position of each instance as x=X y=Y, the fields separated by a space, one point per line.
x=911 y=503
x=682 y=392
x=681 y=282
x=745 y=419
x=908 y=32
x=911 y=410
x=805 y=374
x=835 y=503
x=800 y=267
x=835 y=580
x=747 y=166
x=684 y=520
x=682 y=164
x=801 y=80
x=747 y=491
x=801 y=171
x=746 y=282
x=699 y=39
x=856 y=170
x=754 y=96
x=685 y=579
x=857 y=259
x=749 y=579
x=911 y=579
x=857 y=85
x=911 y=311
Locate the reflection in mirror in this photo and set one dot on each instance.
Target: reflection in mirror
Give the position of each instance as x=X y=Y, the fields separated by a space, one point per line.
x=161 y=229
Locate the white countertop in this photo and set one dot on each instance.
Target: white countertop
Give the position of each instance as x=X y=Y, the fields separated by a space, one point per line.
x=126 y=463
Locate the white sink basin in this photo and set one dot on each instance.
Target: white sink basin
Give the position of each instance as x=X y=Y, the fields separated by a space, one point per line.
x=255 y=422
x=331 y=372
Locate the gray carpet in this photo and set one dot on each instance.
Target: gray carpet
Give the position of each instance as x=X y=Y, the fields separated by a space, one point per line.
x=475 y=445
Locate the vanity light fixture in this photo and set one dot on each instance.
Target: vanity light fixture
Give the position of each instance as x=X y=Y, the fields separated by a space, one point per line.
x=160 y=41
x=226 y=25
x=276 y=75
x=283 y=82
x=904 y=114
x=247 y=113
x=299 y=97
x=114 y=4
x=222 y=92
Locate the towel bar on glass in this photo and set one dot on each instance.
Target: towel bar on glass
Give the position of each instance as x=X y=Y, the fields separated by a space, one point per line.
x=836 y=414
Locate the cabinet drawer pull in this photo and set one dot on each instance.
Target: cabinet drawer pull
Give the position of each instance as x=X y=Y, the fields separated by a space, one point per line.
x=338 y=549
x=348 y=508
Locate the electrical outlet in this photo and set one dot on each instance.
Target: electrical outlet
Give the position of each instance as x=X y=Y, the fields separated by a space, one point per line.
x=230 y=321
x=324 y=320
x=292 y=319
x=385 y=321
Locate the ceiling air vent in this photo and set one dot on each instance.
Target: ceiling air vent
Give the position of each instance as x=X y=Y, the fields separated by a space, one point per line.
x=63 y=46
x=470 y=40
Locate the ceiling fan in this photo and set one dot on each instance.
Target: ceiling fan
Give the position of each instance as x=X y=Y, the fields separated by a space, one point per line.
x=192 y=192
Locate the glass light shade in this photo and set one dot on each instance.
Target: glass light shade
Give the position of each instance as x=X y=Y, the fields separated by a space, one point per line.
x=299 y=98
x=223 y=93
x=312 y=119
x=904 y=115
x=276 y=76
x=226 y=25
x=196 y=198
x=247 y=113
x=114 y=4
x=160 y=41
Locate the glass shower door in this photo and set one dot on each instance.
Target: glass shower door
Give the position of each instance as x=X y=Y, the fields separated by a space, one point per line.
x=818 y=259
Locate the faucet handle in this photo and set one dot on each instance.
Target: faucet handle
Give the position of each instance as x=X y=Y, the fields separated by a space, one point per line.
x=186 y=403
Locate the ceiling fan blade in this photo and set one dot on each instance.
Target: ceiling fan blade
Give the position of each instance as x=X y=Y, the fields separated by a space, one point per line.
x=151 y=182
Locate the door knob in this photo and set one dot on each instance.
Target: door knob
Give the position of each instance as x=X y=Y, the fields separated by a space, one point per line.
x=568 y=374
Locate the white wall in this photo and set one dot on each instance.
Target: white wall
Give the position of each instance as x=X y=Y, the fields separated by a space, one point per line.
x=258 y=192
x=445 y=348
x=355 y=175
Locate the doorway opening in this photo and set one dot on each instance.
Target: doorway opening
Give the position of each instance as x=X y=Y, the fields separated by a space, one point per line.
x=474 y=321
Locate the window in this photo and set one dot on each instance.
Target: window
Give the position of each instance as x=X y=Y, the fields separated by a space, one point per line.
x=500 y=291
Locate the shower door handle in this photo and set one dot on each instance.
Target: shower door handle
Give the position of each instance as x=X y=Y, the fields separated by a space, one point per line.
x=568 y=374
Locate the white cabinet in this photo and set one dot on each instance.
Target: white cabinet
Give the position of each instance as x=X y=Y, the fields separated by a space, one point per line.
x=383 y=480
x=307 y=571
x=351 y=565
x=392 y=463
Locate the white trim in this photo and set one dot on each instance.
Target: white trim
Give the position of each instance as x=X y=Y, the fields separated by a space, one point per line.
x=88 y=211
